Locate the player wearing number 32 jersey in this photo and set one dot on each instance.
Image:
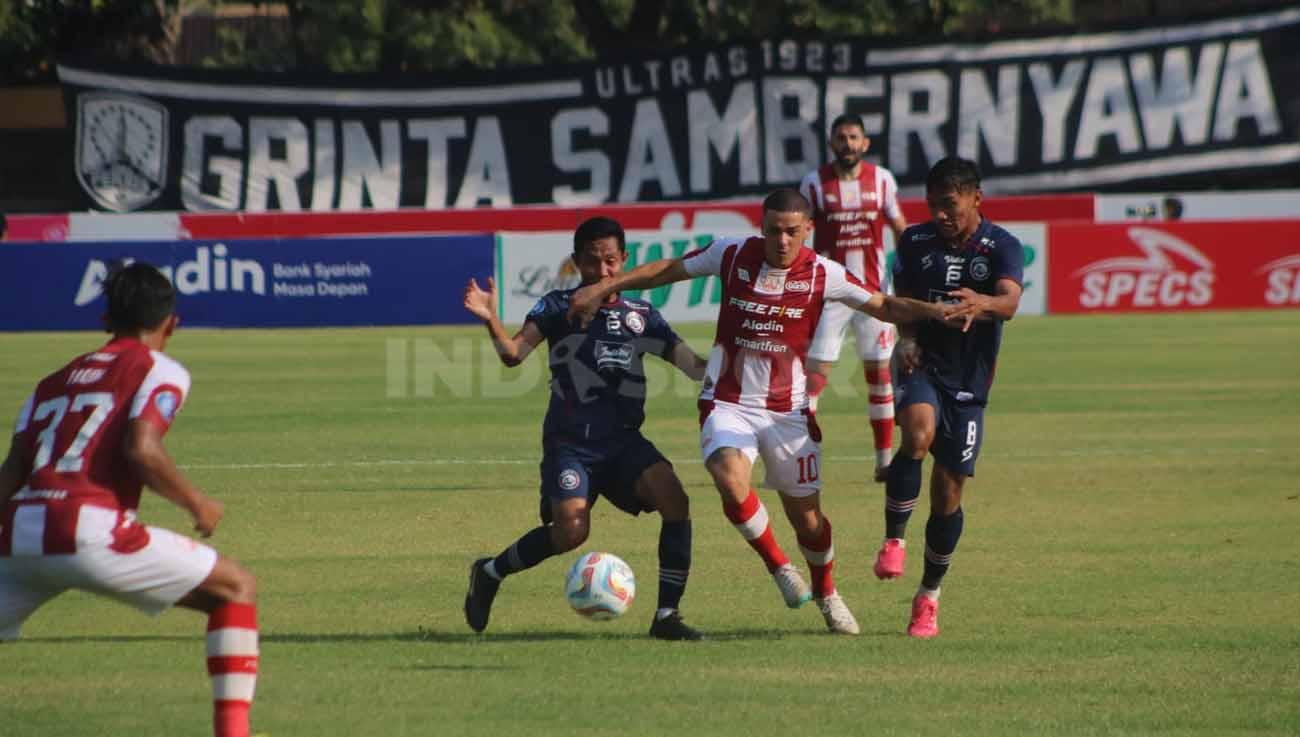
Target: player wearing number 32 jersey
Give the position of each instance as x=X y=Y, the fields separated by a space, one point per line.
x=85 y=442
x=754 y=400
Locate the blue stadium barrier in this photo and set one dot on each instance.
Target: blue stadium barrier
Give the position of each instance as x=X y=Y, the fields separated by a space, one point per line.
x=253 y=283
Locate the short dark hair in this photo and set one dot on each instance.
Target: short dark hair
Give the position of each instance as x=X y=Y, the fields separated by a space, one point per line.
x=786 y=199
x=593 y=229
x=139 y=297
x=953 y=173
x=848 y=119
x=1173 y=208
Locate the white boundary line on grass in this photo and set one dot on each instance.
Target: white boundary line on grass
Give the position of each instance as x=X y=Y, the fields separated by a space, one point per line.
x=834 y=459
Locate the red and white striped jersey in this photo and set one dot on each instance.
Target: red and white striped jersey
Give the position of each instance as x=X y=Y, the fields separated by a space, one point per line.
x=72 y=432
x=767 y=320
x=849 y=216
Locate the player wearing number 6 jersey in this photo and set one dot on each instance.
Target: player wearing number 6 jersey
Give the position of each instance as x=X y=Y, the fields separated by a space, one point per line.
x=754 y=400
x=945 y=374
x=87 y=439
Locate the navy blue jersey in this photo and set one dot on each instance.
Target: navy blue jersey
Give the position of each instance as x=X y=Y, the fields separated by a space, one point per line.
x=927 y=268
x=597 y=381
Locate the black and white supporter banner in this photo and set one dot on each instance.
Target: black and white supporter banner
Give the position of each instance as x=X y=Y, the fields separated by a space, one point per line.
x=1201 y=104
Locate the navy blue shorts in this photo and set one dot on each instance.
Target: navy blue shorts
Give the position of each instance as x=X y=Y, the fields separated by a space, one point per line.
x=959 y=426
x=608 y=468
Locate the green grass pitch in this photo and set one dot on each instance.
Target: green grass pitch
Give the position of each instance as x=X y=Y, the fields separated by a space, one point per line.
x=1130 y=565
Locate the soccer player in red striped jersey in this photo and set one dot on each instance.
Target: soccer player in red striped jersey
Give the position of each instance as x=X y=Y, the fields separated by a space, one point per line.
x=86 y=441
x=852 y=200
x=754 y=400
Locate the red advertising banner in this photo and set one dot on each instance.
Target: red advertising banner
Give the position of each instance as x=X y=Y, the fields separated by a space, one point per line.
x=1173 y=266
x=727 y=217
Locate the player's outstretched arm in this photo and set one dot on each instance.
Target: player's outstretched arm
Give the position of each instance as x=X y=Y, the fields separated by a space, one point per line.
x=483 y=304
x=13 y=472
x=587 y=300
x=151 y=464
x=901 y=310
x=689 y=362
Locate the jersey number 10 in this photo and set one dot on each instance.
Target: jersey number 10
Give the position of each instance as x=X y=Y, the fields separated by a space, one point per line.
x=807 y=468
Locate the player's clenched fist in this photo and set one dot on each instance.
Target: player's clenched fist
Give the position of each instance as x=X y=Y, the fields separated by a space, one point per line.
x=207 y=515
x=584 y=303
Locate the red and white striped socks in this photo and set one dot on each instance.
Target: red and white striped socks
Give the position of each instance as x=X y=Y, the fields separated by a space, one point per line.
x=880 y=410
x=751 y=521
x=232 y=664
x=820 y=554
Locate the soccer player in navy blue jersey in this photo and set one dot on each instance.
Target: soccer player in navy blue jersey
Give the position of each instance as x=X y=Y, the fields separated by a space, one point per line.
x=591 y=438
x=945 y=370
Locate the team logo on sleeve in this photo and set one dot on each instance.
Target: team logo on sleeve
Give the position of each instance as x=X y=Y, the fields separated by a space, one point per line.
x=979 y=268
x=538 y=308
x=165 y=402
x=634 y=322
x=569 y=479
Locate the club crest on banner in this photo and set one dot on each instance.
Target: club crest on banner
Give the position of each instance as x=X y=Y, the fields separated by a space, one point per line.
x=121 y=155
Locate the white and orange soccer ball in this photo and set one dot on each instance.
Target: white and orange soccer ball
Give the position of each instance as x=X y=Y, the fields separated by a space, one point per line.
x=600 y=586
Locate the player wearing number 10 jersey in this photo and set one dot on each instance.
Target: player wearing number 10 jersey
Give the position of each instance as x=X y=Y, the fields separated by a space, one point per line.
x=85 y=442
x=754 y=400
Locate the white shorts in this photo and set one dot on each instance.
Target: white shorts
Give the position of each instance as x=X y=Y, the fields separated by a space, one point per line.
x=789 y=443
x=150 y=579
x=875 y=338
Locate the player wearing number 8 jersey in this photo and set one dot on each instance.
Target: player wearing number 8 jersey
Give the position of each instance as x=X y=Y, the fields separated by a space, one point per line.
x=945 y=374
x=754 y=400
x=85 y=442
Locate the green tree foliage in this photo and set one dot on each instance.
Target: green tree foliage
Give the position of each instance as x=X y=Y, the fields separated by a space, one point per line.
x=411 y=35
x=422 y=35
x=34 y=34
x=396 y=35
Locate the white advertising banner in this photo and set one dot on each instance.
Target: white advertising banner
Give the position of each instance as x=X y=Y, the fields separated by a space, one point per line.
x=531 y=264
x=1278 y=204
x=1033 y=236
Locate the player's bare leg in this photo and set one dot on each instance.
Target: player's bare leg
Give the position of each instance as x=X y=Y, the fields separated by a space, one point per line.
x=731 y=470
x=942 y=531
x=570 y=524
x=813 y=530
x=659 y=486
x=880 y=411
x=229 y=597
x=903 y=486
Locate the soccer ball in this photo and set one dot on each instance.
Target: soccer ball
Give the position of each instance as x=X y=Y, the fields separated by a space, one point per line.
x=600 y=586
